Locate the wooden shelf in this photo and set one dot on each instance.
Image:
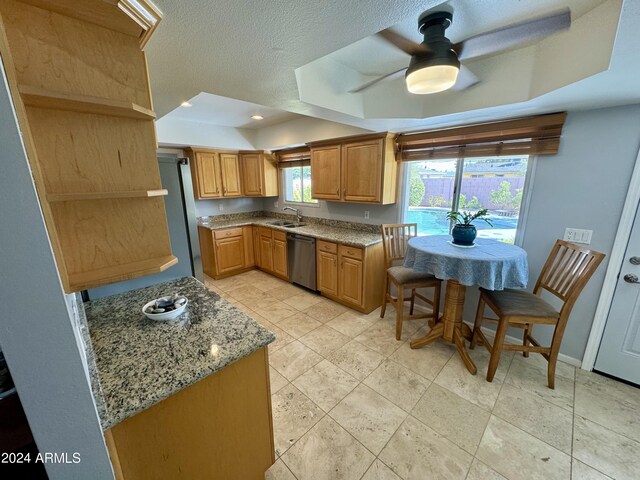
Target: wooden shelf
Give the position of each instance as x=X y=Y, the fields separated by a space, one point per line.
x=71 y=197
x=118 y=273
x=39 y=97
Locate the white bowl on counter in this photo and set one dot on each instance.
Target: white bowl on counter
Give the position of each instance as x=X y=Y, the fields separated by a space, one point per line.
x=164 y=316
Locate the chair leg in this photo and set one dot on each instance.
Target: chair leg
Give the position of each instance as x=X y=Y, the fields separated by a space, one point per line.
x=436 y=303
x=385 y=296
x=413 y=300
x=477 y=324
x=553 y=358
x=399 y=311
x=497 y=348
x=525 y=341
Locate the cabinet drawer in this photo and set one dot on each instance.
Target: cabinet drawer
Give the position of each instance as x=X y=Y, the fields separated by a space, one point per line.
x=351 y=252
x=278 y=235
x=228 y=232
x=327 y=247
x=265 y=232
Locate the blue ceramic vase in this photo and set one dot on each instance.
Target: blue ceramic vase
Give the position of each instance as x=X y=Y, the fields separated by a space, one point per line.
x=464 y=234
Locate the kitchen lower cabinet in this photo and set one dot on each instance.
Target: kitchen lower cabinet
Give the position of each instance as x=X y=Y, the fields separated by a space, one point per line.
x=226 y=252
x=280 y=254
x=219 y=428
x=350 y=275
x=273 y=252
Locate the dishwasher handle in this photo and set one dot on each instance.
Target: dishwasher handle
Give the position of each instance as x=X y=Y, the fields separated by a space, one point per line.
x=300 y=238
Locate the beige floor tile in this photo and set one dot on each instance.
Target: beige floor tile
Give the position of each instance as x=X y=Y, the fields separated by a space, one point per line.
x=325 y=310
x=293 y=360
x=277 y=381
x=356 y=359
x=298 y=324
x=536 y=360
x=303 y=300
x=426 y=361
x=230 y=283
x=282 y=292
x=325 y=384
x=516 y=454
x=351 y=324
x=605 y=450
x=260 y=319
x=416 y=452
x=600 y=383
x=379 y=471
x=369 y=417
x=328 y=452
x=452 y=417
x=479 y=471
x=398 y=384
x=381 y=337
x=279 y=471
x=324 y=340
x=255 y=299
x=543 y=420
x=534 y=381
x=282 y=339
x=276 y=312
x=580 y=471
x=269 y=283
x=293 y=415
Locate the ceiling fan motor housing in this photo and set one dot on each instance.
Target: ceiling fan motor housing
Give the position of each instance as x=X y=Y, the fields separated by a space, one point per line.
x=439 y=49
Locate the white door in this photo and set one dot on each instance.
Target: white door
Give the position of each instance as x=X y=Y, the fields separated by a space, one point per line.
x=619 y=352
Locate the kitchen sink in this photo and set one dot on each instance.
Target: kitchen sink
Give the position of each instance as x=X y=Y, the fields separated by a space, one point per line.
x=281 y=223
x=294 y=225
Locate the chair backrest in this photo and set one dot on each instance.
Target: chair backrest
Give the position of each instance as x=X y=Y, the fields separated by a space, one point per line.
x=395 y=238
x=566 y=272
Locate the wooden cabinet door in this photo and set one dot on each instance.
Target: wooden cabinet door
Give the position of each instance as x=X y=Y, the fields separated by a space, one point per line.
x=266 y=253
x=328 y=273
x=247 y=238
x=325 y=172
x=230 y=254
x=207 y=175
x=362 y=171
x=350 y=281
x=230 y=169
x=252 y=174
x=256 y=247
x=280 y=258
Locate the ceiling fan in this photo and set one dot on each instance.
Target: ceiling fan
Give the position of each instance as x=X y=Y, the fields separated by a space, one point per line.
x=435 y=63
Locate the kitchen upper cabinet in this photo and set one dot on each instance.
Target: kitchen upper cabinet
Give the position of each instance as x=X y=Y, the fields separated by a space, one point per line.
x=205 y=170
x=355 y=169
x=259 y=173
x=325 y=172
x=230 y=173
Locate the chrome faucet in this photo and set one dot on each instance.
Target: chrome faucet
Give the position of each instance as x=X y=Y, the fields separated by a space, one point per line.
x=297 y=210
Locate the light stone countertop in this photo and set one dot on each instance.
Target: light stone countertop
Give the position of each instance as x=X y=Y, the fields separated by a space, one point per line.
x=140 y=362
x=347 y=236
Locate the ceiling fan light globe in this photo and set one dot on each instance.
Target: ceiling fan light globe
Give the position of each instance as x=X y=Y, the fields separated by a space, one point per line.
x=431 y=79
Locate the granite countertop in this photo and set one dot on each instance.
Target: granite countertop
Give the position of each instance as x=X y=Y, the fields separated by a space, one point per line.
x=347 y=236
x=140 y=362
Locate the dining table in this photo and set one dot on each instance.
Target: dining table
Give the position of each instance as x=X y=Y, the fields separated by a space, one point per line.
x=488 y=263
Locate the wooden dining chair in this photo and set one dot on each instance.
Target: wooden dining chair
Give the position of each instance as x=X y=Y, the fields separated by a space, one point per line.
x=395 y=238
x=564 y=275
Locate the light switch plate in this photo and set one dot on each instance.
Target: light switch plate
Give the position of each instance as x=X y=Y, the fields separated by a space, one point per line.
x=577 y=235
x=220 y=207
x=275 y=204
x=366 y=214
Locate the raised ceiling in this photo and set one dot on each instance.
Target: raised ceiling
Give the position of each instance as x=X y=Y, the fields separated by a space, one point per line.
x=261 y=52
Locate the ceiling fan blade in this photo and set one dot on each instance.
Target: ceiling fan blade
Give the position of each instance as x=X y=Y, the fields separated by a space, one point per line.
x=466 y=79
x=379 y=79
x=408 y=46
x=512 y=36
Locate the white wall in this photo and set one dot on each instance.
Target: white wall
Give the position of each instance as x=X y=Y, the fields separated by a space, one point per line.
x=36 y=331
x=179 y=132
x=227 y=205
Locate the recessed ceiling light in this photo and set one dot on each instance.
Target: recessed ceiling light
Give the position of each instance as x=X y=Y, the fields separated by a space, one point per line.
x=186 y=104
x=257 y=117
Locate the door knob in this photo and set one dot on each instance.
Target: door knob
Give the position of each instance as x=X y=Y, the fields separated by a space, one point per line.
x=631 y=278
x=634 y=260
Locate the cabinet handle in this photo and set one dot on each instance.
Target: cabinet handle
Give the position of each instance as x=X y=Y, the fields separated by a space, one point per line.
x=338 y=191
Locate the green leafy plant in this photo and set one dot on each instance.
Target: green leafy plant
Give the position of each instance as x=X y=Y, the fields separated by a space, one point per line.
x=466 y=218
x=416 y=189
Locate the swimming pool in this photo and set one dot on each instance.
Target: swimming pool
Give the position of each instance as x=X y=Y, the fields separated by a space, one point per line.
x=433 y=221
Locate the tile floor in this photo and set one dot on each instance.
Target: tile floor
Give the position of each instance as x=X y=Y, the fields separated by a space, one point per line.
x=351 y=402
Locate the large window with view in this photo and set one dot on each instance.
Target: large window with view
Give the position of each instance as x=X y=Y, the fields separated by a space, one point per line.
x=297 y=185
x=494 y=183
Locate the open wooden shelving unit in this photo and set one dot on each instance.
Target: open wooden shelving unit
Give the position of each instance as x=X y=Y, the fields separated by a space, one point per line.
x=78 y=78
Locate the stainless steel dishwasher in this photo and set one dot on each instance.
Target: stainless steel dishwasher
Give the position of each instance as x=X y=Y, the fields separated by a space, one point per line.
x=301 y=254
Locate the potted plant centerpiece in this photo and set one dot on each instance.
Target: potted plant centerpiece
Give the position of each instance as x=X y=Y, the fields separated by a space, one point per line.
x=464 y=232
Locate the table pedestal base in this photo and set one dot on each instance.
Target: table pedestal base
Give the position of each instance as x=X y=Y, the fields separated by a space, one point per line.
x=451 y=328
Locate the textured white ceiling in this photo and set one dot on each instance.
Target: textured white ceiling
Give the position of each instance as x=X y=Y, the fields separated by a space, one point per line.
x=249 y=50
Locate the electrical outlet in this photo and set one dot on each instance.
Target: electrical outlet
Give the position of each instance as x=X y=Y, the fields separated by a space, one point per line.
x=366 y=214
x=578 y=235
x=220 y=207
x=275 y=204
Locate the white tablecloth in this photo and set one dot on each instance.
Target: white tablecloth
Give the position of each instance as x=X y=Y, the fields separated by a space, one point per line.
x=491 y=264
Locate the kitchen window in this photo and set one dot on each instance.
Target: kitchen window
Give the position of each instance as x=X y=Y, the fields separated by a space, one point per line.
x=297 y=185
x=435 y=187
